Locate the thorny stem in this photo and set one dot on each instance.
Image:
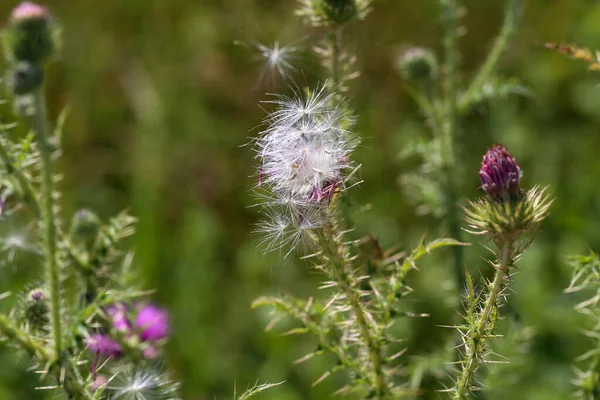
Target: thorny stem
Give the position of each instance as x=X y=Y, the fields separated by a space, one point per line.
x=483 y=325
x=337 y=263
x=39 y=125
x=24 y=182
x=24 y=340
x=488 y=67
x=334 y=42
x=450 y=9
x=28 y=343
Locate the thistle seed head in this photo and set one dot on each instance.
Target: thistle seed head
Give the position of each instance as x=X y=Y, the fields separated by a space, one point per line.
x=304 y=155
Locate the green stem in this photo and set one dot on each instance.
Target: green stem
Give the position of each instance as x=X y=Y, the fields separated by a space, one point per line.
x=335 y=259
x=334 y=42
x=39 y=124
x=484 y=326
x=449 y=131
x=488 y=67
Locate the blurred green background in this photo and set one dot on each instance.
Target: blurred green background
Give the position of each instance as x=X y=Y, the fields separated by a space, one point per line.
x=162 y=100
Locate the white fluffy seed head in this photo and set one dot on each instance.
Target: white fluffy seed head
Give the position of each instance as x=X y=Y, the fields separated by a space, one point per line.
x=304 y=156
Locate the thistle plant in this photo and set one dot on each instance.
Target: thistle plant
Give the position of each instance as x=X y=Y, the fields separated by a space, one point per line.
x=333 y=17
x=444 y=102
x=509 y=218
x=85 y=321
x=306 y=168
x=586 y=283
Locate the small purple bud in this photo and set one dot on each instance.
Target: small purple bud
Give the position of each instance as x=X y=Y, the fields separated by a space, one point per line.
x=500 y=174
x=37 y=294
x=27 y=11
x=153 y=322
x=104 y=346
x=118 y=314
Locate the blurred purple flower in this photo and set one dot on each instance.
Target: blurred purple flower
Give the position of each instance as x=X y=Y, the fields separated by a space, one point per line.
x=104 y=346
x=500 y=174
x=118 y=314
x=28 y=10
x=153 y=322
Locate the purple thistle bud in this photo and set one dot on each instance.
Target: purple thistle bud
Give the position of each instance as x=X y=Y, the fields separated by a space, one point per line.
x=28 y=11
x=153 y=322
x=104 y=346
x=118 y=314
x=500 y=174
x=31 y=34
x=37 y=294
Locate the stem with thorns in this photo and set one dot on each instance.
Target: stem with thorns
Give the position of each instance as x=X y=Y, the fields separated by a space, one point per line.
x=26 y=186
x=488 y=67
x=335 y=259
x=332 y=61
x=450 y=9
x=483 y=325
x=40 y=127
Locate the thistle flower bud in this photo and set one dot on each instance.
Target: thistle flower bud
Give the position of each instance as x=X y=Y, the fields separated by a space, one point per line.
x=25 y=77
x=153 y=323
x=35 y=308
x=84 y=227
x=30 y=34
x=500 y=175
x=418 y=64
x=333 y=12
x=508 y=212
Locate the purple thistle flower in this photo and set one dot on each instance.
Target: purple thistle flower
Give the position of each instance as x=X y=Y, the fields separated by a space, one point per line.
x=118 y=314
x=153 y=322
x=104 y=346
x=500 y=174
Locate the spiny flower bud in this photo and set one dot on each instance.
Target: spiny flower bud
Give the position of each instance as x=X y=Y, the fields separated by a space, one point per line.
x=418 y=64
x=500 y=175
x=25 y=77
x=507 y=213
x=31 y=34
x=35 y=308
x=84 y=227
x=333 y=12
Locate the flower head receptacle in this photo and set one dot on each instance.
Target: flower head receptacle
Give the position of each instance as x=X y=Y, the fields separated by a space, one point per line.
x=30 y=34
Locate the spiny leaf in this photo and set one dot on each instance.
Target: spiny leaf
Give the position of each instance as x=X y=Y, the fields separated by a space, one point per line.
x=256 y=389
